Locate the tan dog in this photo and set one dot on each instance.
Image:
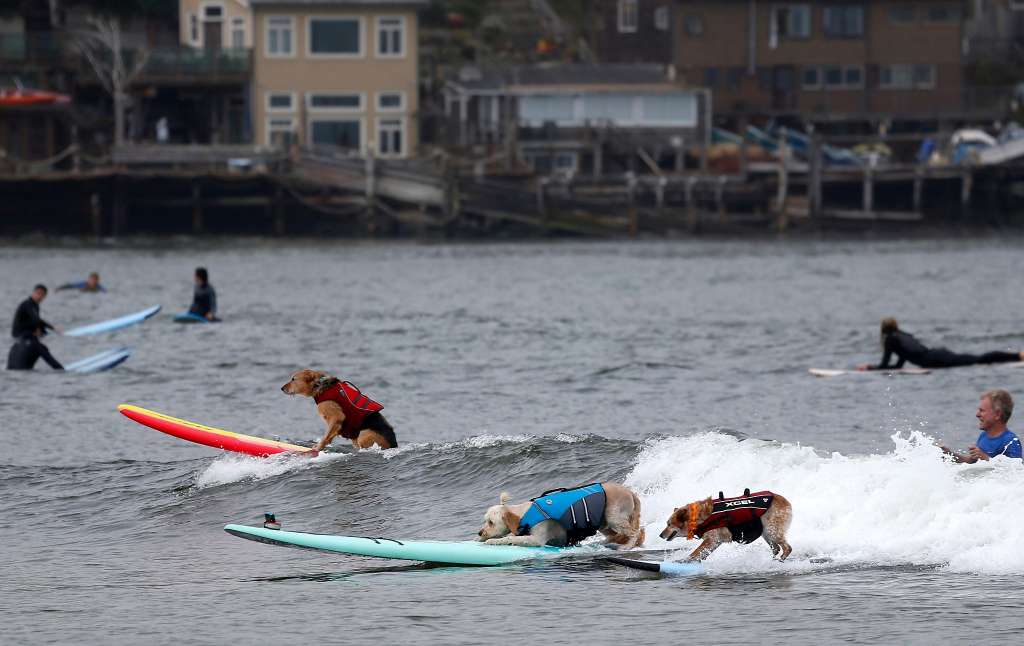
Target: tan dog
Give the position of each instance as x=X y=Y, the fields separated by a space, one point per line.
x=565 y=517
x=346 y=411
x=742 y=519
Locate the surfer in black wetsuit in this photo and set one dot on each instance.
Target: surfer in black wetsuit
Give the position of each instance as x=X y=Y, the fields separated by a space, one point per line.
x=26 y=329
x=204 y=298
x=907 y=348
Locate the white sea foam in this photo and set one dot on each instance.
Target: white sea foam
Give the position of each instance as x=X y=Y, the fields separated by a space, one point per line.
x=906 y=507
x=234 y=467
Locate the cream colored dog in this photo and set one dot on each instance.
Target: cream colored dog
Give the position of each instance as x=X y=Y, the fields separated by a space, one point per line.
x=619 y=521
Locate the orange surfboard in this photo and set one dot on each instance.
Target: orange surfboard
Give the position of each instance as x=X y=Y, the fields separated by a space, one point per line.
x=208 y=435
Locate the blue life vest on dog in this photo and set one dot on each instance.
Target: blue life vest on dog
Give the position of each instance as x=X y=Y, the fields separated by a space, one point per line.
x=580 y=511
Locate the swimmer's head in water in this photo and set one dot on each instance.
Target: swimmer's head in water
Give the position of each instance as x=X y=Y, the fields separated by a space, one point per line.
x=889 y=325
x=93 y=281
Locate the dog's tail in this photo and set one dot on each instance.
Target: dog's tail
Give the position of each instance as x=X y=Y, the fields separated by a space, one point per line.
x=634 y=519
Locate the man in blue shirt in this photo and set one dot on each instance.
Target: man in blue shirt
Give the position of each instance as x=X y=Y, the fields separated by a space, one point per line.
x=994 y=412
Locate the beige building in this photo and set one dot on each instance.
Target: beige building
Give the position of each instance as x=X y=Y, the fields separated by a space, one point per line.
x=338 y=73
x=215 y=24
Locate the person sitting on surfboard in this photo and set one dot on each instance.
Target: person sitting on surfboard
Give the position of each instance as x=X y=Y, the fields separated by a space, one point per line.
x=907 y=348
x=26 y=329
x=91 y=284
x=204 y=297
x=993 y=413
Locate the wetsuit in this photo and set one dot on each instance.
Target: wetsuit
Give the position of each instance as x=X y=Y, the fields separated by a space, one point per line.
x=82 y=287
x=27 y=320
x=204 y=301
x=27 y=348
x=26 y=351
x=1006 y=444
x=907 y=348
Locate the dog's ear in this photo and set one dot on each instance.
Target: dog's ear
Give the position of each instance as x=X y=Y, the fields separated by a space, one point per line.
x=511 y=520
x=504 y=498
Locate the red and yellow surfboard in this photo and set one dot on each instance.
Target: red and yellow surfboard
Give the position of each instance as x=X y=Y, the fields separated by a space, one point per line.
x=215 y=437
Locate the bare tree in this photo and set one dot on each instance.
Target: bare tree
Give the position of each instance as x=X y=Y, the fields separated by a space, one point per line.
x=114 y=67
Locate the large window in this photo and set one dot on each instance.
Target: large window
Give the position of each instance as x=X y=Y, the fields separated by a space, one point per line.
x=338 y=102
x=902 y=14
x=947 y=12
x=280 y=101
x=390 y=137
x=843 y=21
x=335 y=37
x=905 y=76
x=391 y=36
x=694 y=25
x=628 y=16
x=193 y=29
x=343 y=133
x=390 y=101
x=280 y=36
x=791 y=21
x=833 y=77
x=238 y=33
x=661 y=17
x=810 y=78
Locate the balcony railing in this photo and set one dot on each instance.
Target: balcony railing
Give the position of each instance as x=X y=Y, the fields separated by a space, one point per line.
x=188 y=62
x=179 y=63
x=42 y=47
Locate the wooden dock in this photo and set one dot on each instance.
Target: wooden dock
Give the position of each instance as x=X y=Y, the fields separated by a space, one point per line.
x=225 y=189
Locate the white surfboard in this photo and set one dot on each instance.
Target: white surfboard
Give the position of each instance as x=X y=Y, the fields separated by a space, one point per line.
x=825 y=372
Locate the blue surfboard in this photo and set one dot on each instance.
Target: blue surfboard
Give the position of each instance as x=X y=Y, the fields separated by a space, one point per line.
x=189 y=317
x=114 y=324
x=99 y=362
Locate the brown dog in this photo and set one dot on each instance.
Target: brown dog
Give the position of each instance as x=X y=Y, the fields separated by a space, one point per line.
x=565 y=517
x=742 y=519
x=346 y=411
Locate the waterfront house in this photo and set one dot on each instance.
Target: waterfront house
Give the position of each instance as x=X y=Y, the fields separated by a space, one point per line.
x=825 y=62
x=577 y=117
x=337 y=73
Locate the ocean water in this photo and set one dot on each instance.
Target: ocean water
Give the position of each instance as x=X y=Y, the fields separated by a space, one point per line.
x=678 y=368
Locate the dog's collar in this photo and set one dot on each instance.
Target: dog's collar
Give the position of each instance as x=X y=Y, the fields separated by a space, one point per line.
x=691 y=522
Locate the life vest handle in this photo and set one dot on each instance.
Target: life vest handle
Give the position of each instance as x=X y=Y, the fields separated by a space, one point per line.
x=691 y=522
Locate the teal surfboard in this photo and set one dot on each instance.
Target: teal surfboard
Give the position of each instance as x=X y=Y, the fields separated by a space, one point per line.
x=450 y=553
x=114 y=324
x=99 y=362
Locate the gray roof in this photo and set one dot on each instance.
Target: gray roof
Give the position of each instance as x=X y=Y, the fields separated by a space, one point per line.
x=482 y=79
x=341 y=3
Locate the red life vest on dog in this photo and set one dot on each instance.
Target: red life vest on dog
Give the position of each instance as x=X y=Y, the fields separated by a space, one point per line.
x=736 y=512
x=355 y=405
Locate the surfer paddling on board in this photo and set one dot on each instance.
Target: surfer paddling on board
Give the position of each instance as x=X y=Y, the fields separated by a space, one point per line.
x=907 y=348
x=204 y=298
x=993 y=413
x=90 y=284
x=26 y=329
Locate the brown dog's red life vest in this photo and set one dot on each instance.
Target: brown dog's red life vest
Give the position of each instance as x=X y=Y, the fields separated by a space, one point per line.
x=355 y=405
x=736 y=512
